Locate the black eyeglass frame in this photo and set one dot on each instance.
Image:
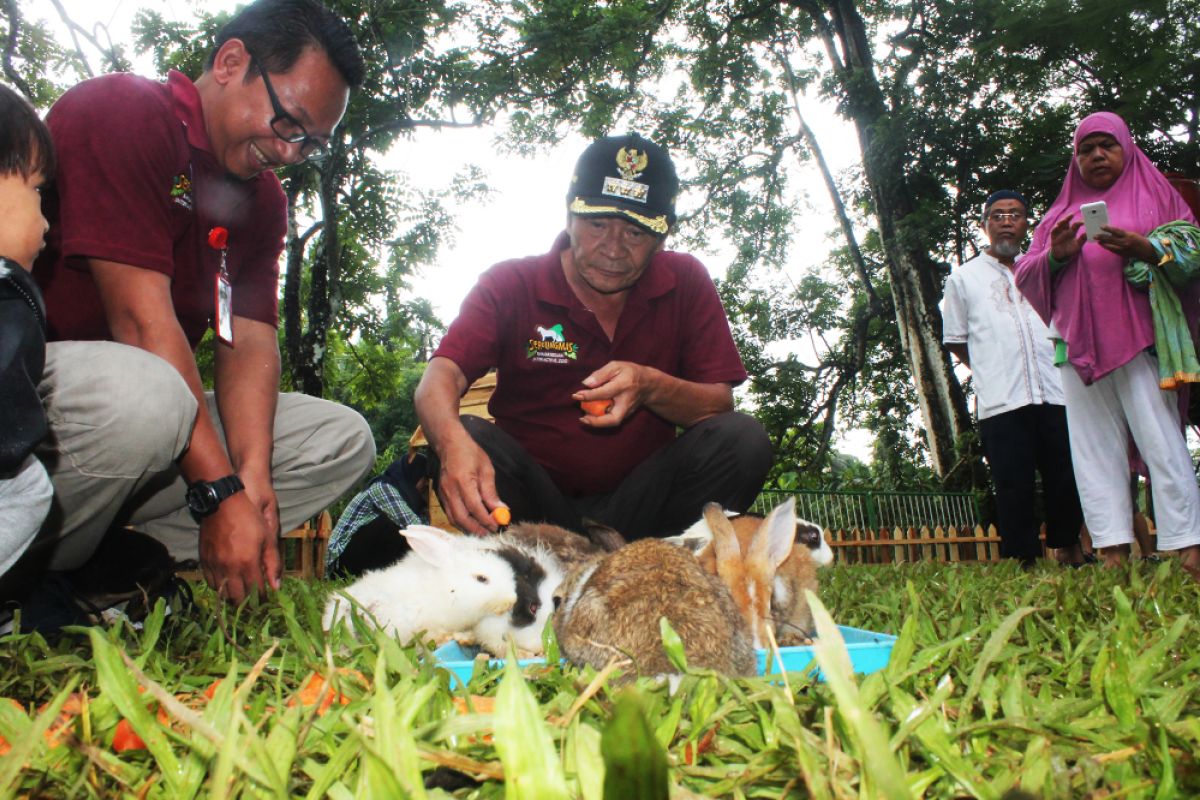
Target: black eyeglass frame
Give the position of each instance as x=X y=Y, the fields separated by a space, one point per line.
x=311 y=149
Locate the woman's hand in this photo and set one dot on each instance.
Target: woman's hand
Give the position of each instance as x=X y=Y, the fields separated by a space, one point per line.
x=1065 y=241
x=1127 y=244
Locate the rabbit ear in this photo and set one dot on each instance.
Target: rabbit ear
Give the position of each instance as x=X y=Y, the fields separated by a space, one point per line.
x=775 y=537
x=725 y=541
x=606 y=537
x=433 y=545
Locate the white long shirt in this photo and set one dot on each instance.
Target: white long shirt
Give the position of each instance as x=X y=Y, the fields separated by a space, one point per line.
x=1012 y=356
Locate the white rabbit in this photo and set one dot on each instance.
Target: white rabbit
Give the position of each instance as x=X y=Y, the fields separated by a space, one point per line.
x=445 y=585
x=538 y=572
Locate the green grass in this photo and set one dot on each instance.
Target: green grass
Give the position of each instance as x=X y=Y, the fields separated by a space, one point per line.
x=1063 y=683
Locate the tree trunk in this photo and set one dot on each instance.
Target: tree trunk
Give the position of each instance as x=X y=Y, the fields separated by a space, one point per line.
x=305 y=344
x=322 y=287
x=915 y=294
x=293 y=327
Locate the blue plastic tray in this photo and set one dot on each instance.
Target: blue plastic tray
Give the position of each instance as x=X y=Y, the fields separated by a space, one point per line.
x=869 y=652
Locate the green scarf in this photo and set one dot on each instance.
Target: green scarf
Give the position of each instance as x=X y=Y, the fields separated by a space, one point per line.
x=1178 y=246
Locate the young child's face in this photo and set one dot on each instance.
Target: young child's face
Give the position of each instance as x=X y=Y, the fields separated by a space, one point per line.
x=22 y=226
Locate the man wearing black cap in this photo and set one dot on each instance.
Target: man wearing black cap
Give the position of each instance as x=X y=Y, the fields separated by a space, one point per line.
x=992 y=329
x=610 y=321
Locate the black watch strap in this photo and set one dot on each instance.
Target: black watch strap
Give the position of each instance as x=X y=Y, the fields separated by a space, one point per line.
x=203 y=497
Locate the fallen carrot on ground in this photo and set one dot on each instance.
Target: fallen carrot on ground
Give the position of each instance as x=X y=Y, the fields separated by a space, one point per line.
x=691 y=753
x=5 y=747
x=313 y=691
x=124 y=738
x=479 y=704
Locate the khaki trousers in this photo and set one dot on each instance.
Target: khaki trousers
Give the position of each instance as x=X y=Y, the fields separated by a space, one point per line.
x=120 y=417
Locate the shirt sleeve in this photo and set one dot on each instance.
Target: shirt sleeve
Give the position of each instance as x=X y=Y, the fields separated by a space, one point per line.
x=114 y=189
x=709 y=354
x=954 y=312
x=472 y=341
x=22 y=352
x=1034 y=278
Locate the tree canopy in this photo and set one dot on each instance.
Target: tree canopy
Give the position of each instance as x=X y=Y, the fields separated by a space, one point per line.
x=949 y=101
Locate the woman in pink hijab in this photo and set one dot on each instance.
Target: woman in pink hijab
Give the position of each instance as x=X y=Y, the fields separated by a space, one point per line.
x=1112 y=383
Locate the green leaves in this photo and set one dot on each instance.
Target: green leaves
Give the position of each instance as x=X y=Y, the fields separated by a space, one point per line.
x=1069 y=684
x=635 y=766
x=531 y=767
x=882 y=773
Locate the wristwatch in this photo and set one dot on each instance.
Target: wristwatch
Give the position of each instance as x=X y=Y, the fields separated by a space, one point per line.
x=203 y=497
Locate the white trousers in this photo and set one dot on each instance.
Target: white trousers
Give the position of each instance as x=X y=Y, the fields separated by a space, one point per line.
x=1101 y=418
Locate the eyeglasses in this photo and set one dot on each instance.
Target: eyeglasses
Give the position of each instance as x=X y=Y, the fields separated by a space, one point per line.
x=287 y=127
x=1007 y=216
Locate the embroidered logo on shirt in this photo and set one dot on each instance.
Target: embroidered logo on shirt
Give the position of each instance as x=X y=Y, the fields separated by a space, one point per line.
x=552 y=334
x=551 y=346
x=181 y=191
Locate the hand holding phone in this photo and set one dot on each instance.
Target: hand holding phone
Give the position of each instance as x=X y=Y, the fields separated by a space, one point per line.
x=1095 y=216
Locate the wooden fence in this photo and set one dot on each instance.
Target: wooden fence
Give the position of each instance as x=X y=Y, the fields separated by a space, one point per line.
x=303 y=549
x=900 y=545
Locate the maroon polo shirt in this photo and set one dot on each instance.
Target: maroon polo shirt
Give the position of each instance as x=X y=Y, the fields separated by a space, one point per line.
x=524 y=319
x=137 y=184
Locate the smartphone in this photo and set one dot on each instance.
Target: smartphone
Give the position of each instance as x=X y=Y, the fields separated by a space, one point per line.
x=1094 y=216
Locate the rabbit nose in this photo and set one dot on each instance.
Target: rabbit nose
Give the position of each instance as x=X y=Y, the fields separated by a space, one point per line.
x=503 y=605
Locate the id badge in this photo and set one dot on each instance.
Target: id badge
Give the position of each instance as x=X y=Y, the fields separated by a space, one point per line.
x=223 y=324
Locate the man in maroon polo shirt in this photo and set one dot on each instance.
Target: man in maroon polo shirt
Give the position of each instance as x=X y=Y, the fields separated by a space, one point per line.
x=607 y=315
x=166 y=220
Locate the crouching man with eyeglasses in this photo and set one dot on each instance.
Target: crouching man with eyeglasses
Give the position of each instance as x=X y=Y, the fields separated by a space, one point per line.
x=990 y=326
x=167 y=220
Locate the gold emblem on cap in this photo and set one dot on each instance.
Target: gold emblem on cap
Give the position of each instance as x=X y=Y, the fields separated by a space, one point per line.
x=631 y=162
x=657 y=224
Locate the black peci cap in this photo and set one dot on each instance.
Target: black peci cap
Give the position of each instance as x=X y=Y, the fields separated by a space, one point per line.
x=628 y=177
x=1005 y=194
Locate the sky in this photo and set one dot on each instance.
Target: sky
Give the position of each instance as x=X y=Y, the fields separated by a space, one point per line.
x=527 y=209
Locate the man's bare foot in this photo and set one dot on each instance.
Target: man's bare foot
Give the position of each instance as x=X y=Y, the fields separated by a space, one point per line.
x=1069 y=556
x=1189 y=559
x=1115 y=556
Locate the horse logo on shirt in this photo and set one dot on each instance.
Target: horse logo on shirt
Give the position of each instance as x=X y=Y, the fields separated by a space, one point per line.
x=551 y=334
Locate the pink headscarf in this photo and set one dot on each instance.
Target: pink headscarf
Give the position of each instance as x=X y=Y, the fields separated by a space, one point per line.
x=1105 y=321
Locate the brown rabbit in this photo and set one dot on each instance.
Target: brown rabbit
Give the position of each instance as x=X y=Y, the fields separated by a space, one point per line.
x=796 y=574
x=611 y=606
x=567 y=546
x=748 y=554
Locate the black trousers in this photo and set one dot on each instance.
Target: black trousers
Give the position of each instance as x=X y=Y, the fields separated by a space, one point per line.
x=1017 y=443
x=723 y=459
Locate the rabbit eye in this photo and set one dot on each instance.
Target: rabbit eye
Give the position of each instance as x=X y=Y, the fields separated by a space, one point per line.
x=557 y=602
x=481 y=578
x=533 y=608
